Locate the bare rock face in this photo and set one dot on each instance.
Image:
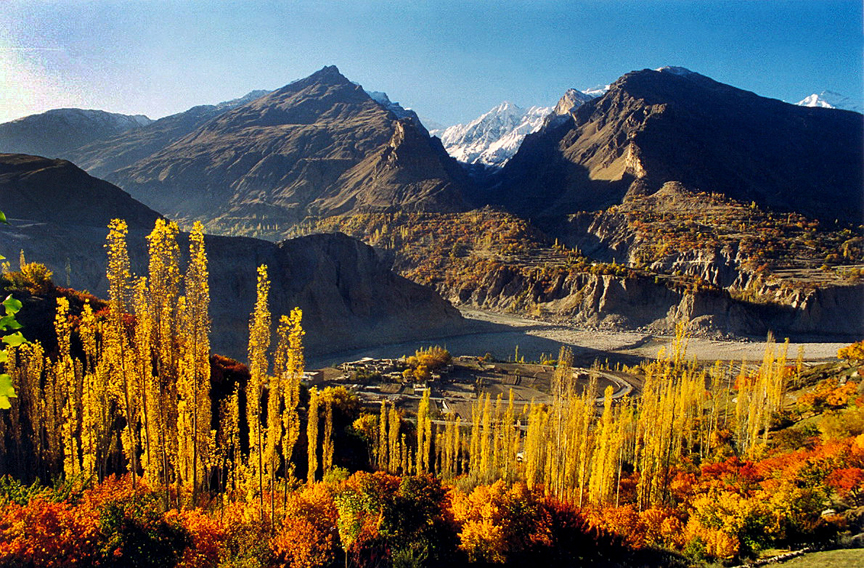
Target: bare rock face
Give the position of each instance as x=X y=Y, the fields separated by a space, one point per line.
x=653 y=127
x=610 y=302
x=349 y=296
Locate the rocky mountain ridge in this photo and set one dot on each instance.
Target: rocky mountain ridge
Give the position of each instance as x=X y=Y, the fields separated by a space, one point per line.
x=56 y=133
x=653 y=127
x=318 y=146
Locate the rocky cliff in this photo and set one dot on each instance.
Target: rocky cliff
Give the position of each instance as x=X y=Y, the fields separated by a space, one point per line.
x=611 y=302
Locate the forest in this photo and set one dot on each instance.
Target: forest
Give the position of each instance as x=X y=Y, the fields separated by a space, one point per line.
x=128 y=443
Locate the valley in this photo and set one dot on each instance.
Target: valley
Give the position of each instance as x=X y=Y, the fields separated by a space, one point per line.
x=296 y=328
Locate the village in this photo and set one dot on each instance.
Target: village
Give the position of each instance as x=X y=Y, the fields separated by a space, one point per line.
x=455 y=386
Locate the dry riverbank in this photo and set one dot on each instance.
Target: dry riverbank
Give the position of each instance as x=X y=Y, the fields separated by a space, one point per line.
x=501 y=334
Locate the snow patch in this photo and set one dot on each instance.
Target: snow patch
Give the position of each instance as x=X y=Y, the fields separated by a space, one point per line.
x=830 y=99
x=682 y=71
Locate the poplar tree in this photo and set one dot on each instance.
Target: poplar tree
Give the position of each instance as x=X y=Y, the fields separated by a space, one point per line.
x=116 y=342
x=64 y=375
x=196 y=336
x=327 y=442
x=605 y=454
x=312 y=434
x=382 y=448
x=93 y=401
x=393 y=442
x=289 y=365
x=163 y=283
x=259 y=342
x=424 y=434
x=485 y=440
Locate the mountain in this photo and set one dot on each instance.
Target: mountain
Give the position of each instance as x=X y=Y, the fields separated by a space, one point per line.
x=494 y=137
x=571 y=100
x=103 y=157
x=397 y=109
x=57 y=132
x=830 y=99
x=490 y=140
x=349 y=296
x=654 y=127
x=57 y=191
x=318 y=146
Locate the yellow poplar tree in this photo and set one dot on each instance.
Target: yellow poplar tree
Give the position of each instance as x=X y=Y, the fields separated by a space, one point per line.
x=393 y=441
x=117 y=348
x=424 y=434
x=196 y=352
x=312 y=434
x=259 y=342
x=161 y=316
x=64 y=374
x=327 y=442
x=290 y=366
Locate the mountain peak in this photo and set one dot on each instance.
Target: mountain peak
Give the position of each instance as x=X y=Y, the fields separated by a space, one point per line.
x=680 y=71
x=328 y=70
x=491 y=139
x=618 y=147
x=329 y=74
x=571 y=100
x=830 y=99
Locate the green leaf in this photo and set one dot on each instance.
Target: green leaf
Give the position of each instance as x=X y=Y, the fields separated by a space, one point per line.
x=12 y=305
x=7 y=391
x=14 y=339
x=9 y=322
x=3 y=218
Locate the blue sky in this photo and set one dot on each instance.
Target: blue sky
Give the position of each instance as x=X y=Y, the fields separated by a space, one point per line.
x=448 y=60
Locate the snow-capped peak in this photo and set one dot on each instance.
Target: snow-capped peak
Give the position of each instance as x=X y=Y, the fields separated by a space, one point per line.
x=494 y=137
x=682 y=71
x=830 y=99
x=596 y=91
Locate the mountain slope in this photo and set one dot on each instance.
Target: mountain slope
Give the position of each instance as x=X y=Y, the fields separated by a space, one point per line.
x=318 y=146
x=105 y=156
x=654 y=127
x=349 y=296
x=57 y=191
x=55 y=133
